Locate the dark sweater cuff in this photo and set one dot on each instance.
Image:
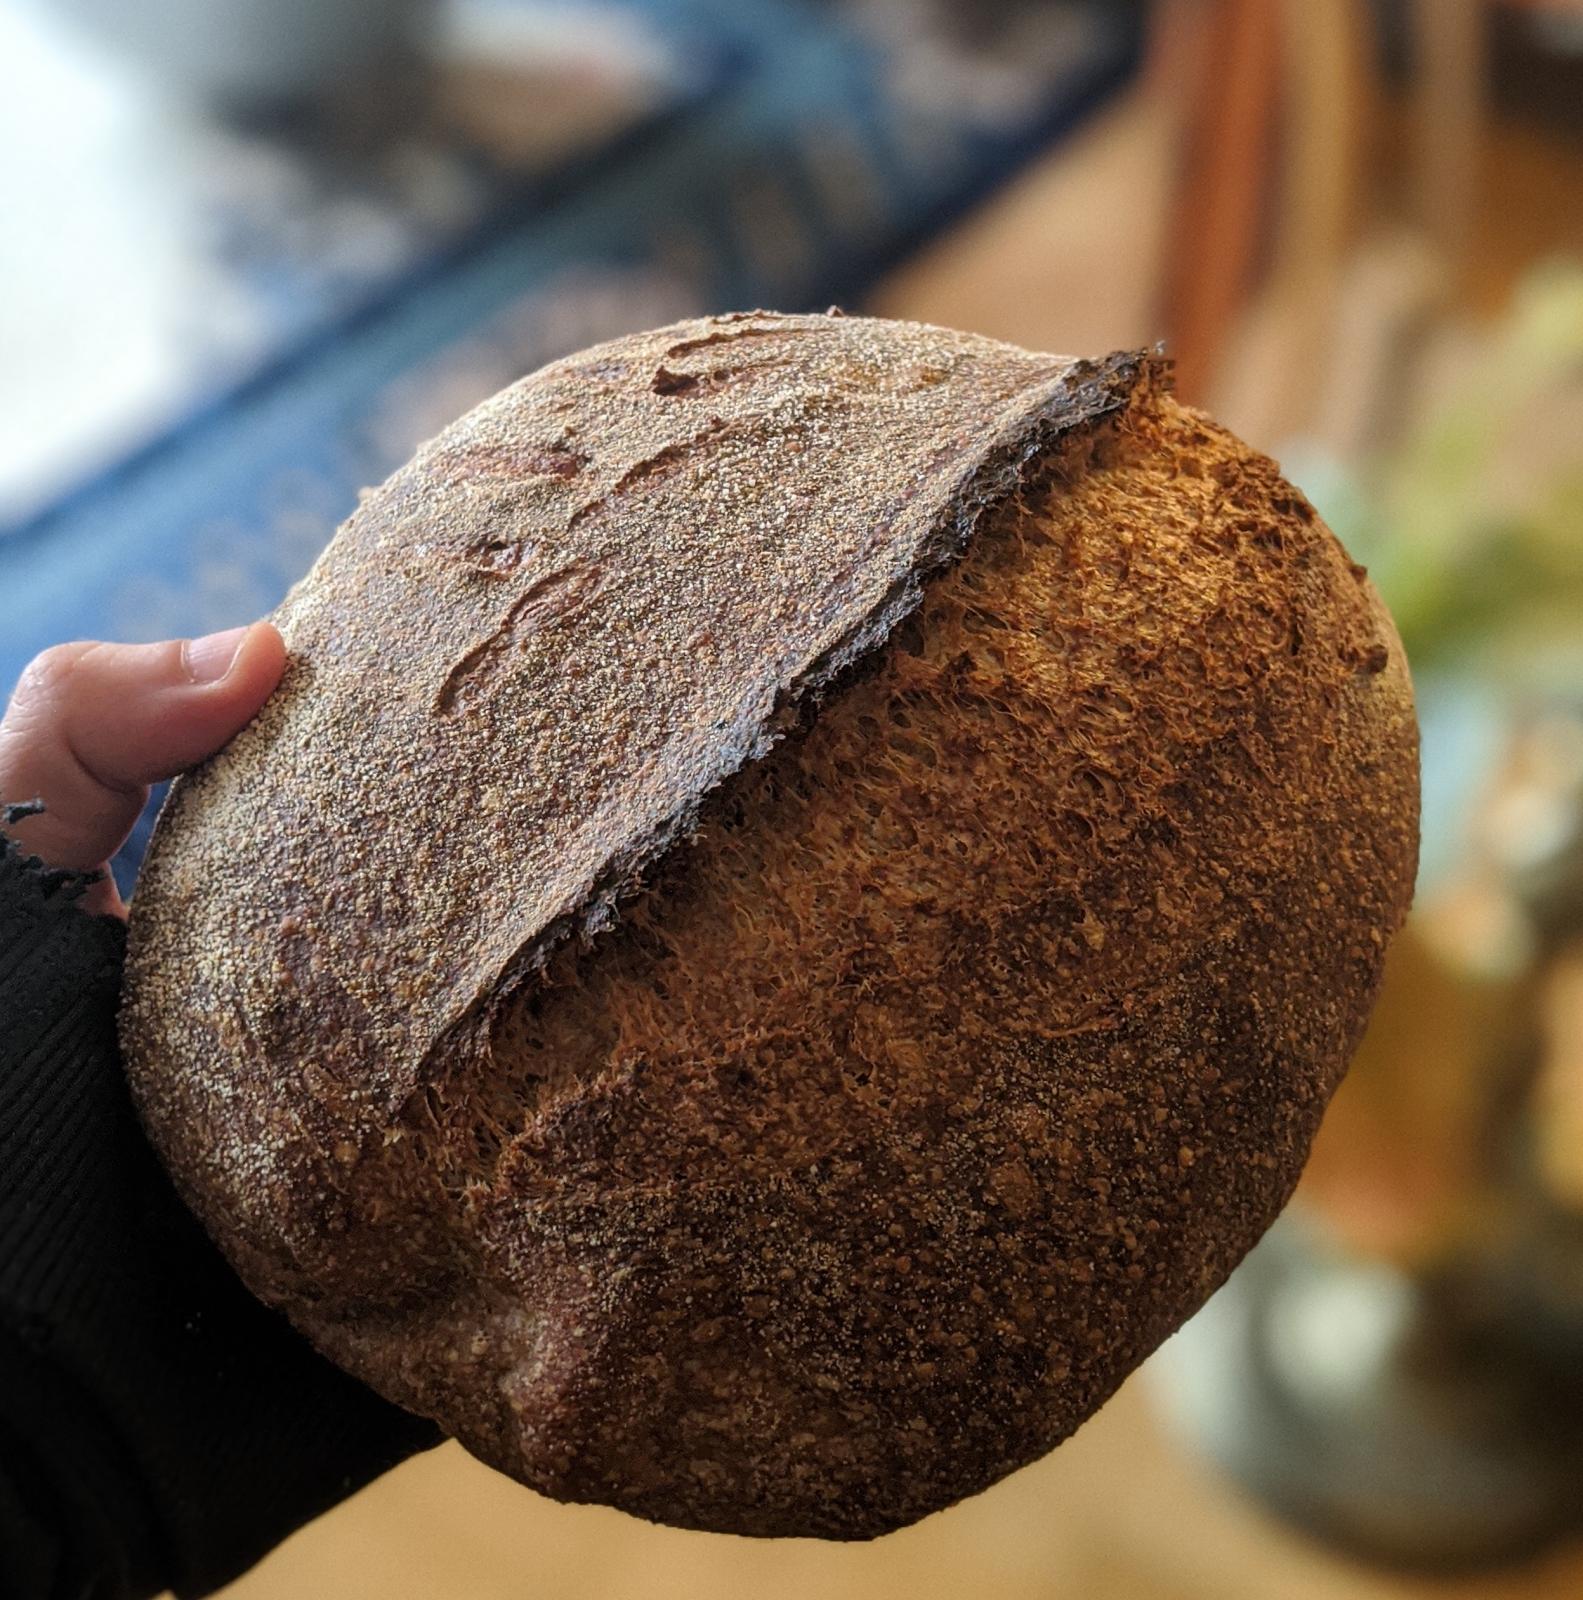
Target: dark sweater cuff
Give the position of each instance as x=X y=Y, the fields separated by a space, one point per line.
x=222 y=1428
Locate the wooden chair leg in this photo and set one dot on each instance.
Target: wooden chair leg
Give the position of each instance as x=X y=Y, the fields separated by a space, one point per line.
x=1233 y=55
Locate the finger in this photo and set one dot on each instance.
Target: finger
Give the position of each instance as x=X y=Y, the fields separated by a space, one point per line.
x=91 y=726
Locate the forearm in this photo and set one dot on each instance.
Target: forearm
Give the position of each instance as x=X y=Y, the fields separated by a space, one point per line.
x=74 y=1520
x=158 y=1427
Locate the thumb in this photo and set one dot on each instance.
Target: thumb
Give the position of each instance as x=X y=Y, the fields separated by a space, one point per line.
x=91 y=726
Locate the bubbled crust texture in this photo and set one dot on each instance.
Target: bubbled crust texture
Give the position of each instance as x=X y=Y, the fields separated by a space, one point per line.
x=843 y=1176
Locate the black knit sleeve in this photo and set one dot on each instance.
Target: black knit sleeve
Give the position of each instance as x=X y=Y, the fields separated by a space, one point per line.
x=158 y=1426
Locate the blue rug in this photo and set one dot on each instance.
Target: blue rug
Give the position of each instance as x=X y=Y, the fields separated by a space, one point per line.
x=826 y=143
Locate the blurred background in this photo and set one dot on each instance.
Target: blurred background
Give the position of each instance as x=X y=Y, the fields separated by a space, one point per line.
x=253 y=251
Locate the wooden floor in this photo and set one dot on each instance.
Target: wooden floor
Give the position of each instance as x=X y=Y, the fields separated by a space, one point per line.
x=1064 y=260
x=1118 y=1513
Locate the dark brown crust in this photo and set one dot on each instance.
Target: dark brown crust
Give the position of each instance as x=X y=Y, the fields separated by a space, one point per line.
x=516 y=675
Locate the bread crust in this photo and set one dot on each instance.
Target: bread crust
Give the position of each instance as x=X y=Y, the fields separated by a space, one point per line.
x=521 y=669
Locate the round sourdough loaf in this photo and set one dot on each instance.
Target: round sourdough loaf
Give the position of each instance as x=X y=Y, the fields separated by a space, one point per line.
x=795 y=913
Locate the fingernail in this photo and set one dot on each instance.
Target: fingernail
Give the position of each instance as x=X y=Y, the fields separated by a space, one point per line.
x=208 y=659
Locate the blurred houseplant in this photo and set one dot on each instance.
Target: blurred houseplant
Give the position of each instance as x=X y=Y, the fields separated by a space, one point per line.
x=1473 y=529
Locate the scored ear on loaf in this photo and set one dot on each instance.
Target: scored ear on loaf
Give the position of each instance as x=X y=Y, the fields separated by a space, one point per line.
x=795 y=913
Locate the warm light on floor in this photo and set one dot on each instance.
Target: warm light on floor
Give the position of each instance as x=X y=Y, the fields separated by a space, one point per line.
x=1119 y=1513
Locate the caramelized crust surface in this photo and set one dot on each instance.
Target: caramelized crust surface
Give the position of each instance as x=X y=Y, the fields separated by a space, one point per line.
x=978 y=1029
